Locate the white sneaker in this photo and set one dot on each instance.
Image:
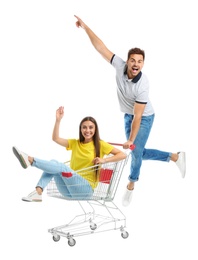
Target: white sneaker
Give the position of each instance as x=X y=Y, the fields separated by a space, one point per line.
x=126 y=200
x=181 y=163
x=33 y=197
x=22 y=157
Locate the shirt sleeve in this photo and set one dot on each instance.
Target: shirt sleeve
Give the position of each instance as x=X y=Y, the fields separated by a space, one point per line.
x=105 y=148
x=71 y=143
x=117 y=62
x=143 y=92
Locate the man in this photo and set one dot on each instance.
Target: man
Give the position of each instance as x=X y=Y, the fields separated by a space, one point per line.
x=133 y=97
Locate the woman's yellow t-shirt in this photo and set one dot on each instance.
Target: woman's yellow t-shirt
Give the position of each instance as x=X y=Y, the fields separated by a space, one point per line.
x=82 y=157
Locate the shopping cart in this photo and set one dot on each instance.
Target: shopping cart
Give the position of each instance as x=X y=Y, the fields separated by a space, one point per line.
x=99 y=211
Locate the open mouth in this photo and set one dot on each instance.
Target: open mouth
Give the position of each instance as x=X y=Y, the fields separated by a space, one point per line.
x=134 y=69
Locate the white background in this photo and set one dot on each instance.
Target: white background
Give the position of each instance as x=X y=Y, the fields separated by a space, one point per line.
x=46 y=62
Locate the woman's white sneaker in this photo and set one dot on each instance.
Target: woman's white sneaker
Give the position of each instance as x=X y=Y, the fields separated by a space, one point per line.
x=33 y=197
x=22 y=157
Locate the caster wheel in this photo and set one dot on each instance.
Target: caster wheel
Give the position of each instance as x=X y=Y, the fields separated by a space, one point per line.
x=56 y=238
x=71 y=242
x=124 y=234
x=93 y=226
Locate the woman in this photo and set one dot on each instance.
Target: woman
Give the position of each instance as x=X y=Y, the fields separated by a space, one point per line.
x=87 y=151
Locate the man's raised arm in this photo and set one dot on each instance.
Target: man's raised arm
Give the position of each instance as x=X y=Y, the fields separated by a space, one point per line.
x=96 y=42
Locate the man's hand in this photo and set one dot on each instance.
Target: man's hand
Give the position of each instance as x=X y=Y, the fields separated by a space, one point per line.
x=127 y=144
x=79 y=22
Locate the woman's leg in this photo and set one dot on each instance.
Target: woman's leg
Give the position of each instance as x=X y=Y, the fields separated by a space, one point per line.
x=51 y=167
x=74 y=186
x=71 y=186
x=78 y=187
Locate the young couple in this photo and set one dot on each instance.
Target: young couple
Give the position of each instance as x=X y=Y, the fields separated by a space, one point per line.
x=133 y=98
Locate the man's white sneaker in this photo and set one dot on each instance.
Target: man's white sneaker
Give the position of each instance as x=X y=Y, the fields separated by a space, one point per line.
x=127 y=197
x=181 y=163
x=22 y=157
x=33 y=197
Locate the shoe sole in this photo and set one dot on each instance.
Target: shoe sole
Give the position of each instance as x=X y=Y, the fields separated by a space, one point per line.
x=20 y=158
x=26 y=200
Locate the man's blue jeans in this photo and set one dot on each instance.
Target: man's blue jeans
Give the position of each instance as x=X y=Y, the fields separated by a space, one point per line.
x=140 y=152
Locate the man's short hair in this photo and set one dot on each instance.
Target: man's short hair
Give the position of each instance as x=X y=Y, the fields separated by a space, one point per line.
x=136 y=51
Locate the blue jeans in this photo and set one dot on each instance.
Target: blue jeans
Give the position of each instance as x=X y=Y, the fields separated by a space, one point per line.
x=140 y=152
x=75 y=187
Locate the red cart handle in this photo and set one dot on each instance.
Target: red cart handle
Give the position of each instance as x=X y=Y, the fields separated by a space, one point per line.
x=132 y=147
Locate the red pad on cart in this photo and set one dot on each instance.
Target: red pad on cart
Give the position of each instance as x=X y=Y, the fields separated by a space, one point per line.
x=105 y=175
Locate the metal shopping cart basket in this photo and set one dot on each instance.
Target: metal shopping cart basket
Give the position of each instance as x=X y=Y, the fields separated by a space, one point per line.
x=99 y=211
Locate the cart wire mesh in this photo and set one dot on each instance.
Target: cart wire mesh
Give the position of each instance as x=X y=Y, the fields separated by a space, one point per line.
x=108 y=180
x=100 y=213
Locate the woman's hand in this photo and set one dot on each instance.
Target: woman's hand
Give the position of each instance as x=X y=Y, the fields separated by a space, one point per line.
x=99 y=160
x=59 y=113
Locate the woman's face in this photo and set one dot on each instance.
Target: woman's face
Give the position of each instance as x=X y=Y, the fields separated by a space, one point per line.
x=88 y=130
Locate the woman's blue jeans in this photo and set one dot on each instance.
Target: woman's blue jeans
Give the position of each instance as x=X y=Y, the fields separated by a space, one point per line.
x=75 y=186
x=140 y=152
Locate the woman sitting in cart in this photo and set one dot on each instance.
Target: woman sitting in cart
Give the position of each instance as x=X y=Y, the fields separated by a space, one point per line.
x=87 y=151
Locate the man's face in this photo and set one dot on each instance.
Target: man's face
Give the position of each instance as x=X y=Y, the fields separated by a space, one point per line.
x=134 y=65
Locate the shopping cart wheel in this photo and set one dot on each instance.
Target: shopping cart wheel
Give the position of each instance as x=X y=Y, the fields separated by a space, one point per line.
x=124 y=234
x=93 y=226
x=56 y=238
x=71 y=242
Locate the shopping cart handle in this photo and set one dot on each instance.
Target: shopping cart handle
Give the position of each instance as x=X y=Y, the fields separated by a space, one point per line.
x=132 y=146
